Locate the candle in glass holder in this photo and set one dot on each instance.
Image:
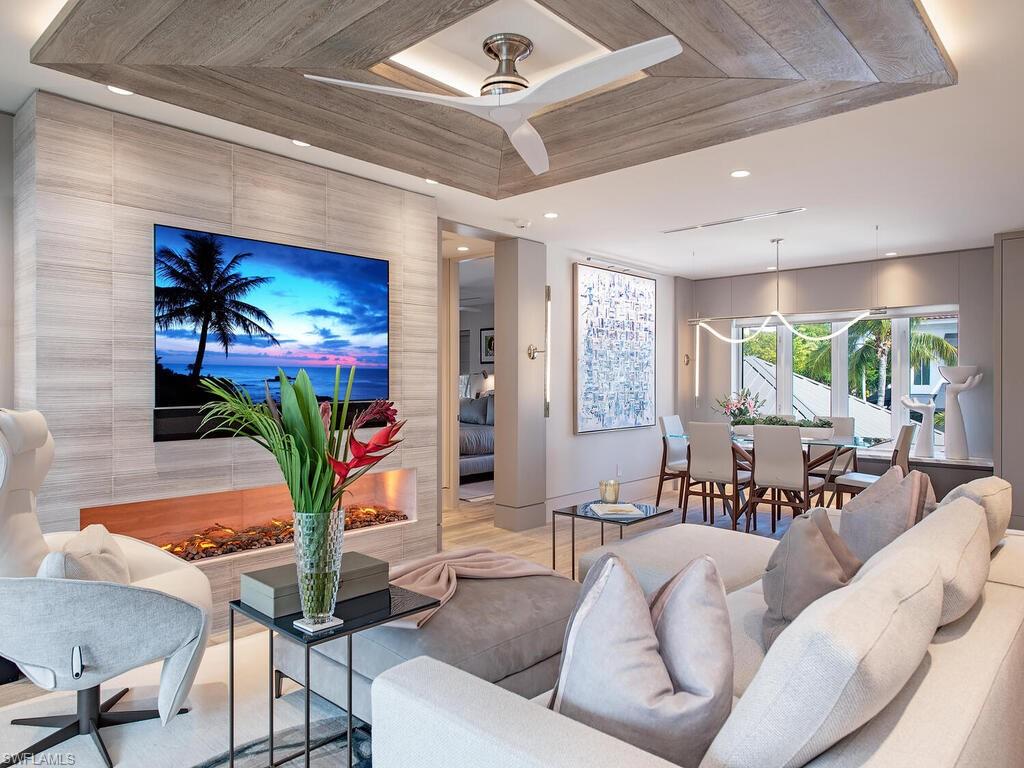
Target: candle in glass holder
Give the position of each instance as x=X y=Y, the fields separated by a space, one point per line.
x=609 y=490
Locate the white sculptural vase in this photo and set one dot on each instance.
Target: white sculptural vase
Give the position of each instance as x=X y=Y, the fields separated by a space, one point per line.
x=961 y=378
x=925 y=447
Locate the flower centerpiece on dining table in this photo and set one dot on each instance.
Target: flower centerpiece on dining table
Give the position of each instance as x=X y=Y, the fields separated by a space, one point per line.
x=740 y=407
x=319 y=459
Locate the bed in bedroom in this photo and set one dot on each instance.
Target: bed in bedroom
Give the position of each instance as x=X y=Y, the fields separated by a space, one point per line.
x=476 y=437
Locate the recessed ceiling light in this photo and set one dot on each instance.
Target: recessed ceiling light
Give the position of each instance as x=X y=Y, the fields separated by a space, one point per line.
x=551 y=215
x=740 y=174
x=431 y=181
x=120 y=91
x=892 y=253
x=298 y=143
x=771 y=268
x=462 y=248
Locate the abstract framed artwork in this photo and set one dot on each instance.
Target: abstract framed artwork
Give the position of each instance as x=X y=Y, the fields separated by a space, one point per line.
x=614 y=349
x=486 y=345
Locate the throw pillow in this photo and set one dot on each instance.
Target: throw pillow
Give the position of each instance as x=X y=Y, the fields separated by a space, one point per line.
x=92 y=555
x=840 y=662
x=489 y=418
x=472 y=410
x=657 y=676
x=810 y=561
x=877 y=515
x=955 y=537
x=995 y=496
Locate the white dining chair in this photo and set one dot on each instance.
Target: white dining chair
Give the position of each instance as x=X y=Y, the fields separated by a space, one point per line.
x=780 y=472
x=713 y=464
x=853 y=483
x=673 y=455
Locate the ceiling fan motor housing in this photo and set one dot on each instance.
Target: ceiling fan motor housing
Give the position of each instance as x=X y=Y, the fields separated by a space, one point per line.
x=507 y=49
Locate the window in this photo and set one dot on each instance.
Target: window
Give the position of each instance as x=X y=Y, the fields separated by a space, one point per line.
x=812 y=372
x=863 y=372
x=869 y=363
x=933 y=342
x=759 y=356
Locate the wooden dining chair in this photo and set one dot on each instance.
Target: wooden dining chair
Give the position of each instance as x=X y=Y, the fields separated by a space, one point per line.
x=715 y=471
x=673 y=455
x=780 y=473
x=853 y=483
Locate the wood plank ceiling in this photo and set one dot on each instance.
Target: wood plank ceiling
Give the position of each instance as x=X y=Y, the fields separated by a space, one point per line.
x=748 y=66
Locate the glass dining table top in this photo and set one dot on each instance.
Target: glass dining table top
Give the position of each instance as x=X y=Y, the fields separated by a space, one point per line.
x=850 y=441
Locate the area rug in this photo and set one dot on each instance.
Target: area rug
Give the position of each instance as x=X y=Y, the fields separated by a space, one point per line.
x=198 y=738
x=482 y=490
x=328 y=740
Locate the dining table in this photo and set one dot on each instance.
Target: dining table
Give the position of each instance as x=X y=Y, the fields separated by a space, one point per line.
x=841 y=445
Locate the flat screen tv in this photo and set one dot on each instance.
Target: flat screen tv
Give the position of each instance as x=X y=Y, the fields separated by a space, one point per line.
x=240 y=309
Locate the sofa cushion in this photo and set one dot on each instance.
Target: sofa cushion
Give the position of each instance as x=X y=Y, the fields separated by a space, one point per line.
x=962 y=705
x=491 y=628
x=91 y=555
x=842 y=660
x=810 y=561
x=995 y=495
x=876 y=516
x=746 y=615
x=657 y=676
x=955 y=537
x=658 y=555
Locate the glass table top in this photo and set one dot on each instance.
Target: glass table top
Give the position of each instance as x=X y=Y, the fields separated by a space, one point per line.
x=359 y=613
x=834 y=442
x=585 y=511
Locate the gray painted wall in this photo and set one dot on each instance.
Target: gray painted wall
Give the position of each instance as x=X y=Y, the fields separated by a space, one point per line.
x=957 y=277
x=6 y=260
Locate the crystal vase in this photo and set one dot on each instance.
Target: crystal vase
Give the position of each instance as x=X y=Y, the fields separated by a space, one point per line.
x=318 y=537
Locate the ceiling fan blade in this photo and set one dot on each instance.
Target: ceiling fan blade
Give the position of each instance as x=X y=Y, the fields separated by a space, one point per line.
x=599 y=72
x=530 y=146
x=477 y=105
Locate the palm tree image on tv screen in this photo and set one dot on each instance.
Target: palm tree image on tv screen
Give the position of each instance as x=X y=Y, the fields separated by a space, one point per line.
x=238 y=309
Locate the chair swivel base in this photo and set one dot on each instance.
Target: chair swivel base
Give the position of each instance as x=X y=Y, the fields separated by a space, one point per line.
x=90 y=717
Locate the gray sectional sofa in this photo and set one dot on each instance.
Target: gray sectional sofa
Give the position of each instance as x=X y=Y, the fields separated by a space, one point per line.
x=962 y=707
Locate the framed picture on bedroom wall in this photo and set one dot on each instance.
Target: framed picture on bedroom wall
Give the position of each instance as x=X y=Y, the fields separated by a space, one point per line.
x=486 y=345
x=614 y=315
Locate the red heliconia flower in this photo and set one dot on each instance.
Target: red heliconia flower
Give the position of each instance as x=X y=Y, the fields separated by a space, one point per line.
x=382 y=440
x=366 y=454
x=378 y=410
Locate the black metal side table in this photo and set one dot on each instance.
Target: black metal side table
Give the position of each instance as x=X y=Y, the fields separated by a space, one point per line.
x=585 y=512
x=359 y=614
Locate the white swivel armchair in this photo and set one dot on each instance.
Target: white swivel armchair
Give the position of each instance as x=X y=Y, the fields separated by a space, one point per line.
x=73 y=635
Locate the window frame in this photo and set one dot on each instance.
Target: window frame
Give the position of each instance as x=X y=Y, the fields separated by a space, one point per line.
x=902 y=378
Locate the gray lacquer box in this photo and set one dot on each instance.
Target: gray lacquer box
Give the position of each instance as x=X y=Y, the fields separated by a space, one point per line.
x=275 y=591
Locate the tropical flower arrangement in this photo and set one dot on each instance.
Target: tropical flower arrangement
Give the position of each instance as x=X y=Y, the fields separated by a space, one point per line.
x=741 y=405
x=319 y=460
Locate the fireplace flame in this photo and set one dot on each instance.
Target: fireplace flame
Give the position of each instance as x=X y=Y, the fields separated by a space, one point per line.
x=221 y=539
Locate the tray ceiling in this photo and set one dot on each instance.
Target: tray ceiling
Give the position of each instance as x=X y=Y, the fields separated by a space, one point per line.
x=748 y=66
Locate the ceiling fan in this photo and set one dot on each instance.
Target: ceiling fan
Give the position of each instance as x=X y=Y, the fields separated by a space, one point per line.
x=508 y=100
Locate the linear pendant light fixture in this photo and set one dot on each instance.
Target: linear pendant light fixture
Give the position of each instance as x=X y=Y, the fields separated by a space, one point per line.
x=775 y=314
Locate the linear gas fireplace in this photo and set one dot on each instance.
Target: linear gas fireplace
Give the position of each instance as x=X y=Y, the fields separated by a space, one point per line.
x=200 y=527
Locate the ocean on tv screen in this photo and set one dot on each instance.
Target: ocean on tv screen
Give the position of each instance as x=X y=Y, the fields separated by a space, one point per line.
x=242 y=309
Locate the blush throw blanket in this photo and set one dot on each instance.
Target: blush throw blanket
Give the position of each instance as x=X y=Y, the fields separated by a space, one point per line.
x=437 y=575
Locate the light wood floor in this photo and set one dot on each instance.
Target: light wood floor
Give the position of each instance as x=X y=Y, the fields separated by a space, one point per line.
x=472 y=525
